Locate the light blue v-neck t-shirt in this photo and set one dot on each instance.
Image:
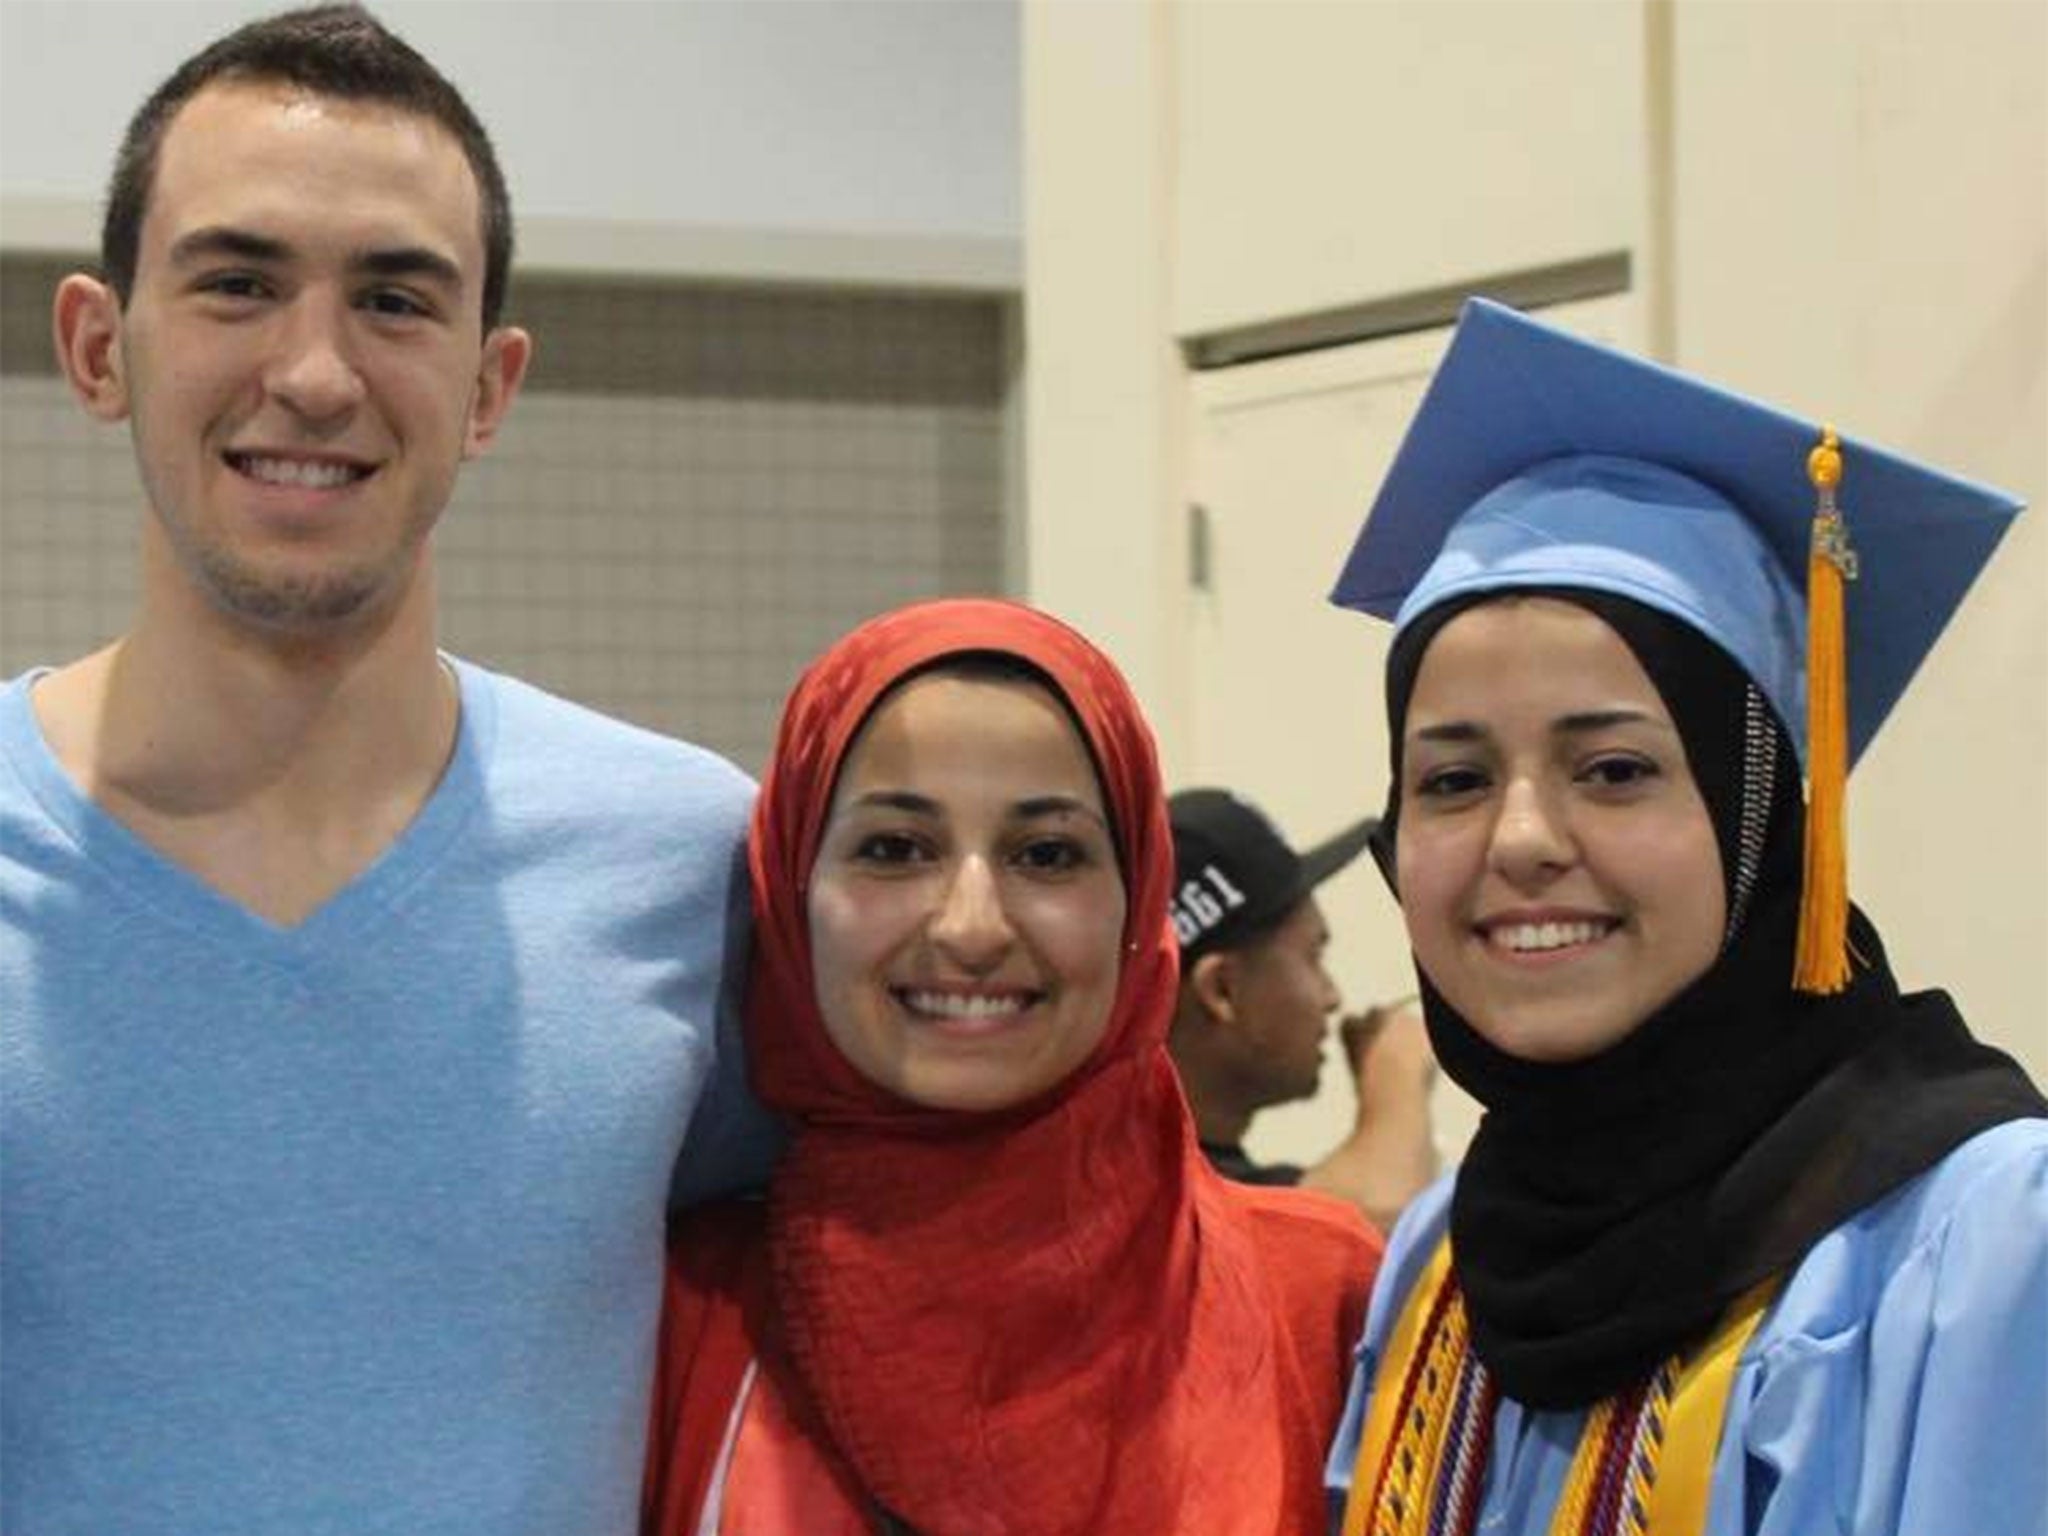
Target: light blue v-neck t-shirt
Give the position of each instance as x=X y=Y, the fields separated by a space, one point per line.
x=356 y=1226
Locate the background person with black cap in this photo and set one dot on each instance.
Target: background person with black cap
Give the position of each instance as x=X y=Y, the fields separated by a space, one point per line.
x=1256 y=997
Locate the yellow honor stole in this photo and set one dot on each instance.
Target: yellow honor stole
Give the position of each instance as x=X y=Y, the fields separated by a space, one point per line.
x=1644 y=1461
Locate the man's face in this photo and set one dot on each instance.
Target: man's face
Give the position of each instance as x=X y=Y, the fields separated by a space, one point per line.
x=301 y=356
x=1284 y=998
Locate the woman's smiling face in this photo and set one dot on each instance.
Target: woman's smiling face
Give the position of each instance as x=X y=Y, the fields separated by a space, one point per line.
x=966 y=907
x=1557 y=866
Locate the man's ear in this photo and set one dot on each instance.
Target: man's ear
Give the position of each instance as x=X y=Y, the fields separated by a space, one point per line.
x=85 y=323
x=500 y=372
x=1214 y=982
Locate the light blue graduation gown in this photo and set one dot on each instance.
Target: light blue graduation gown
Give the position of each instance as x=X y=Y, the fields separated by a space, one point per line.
x=1897 y=1387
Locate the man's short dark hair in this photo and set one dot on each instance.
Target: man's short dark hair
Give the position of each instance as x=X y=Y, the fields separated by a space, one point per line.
x=330 y=50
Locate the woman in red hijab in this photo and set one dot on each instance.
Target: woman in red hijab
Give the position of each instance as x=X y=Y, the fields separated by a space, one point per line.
x=995 y=1289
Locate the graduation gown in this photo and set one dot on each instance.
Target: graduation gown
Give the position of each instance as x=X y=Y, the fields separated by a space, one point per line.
x=1897 y=1386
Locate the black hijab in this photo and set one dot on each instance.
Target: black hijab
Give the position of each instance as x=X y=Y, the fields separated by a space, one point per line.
x=1609 y=1208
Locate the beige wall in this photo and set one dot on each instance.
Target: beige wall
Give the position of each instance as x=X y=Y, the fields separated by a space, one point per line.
x=1861 y=225
x=1840 y=206
x=1103 y=392
x=1394 y=146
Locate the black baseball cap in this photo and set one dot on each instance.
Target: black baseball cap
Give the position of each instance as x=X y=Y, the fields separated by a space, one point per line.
x=1234 y=874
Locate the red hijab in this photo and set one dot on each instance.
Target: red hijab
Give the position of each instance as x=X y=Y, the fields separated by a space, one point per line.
x=1053 y=1318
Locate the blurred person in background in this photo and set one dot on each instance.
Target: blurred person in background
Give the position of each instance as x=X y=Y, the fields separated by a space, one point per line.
x=1256 y=999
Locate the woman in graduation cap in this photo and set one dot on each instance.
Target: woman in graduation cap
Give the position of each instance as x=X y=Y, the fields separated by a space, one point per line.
x=1748 y=1240
x=996 y=1289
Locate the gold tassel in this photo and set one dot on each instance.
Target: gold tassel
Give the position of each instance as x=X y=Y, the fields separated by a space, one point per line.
x=1822 y=962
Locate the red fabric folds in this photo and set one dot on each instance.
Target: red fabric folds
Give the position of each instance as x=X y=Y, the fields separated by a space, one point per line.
x=1053 y=1319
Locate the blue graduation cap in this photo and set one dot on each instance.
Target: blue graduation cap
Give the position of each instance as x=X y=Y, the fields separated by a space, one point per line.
x=1541 y=459
x=1538 y=459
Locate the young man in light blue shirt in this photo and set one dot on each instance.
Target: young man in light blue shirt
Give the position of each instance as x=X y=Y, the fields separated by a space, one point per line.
x=354 y=1000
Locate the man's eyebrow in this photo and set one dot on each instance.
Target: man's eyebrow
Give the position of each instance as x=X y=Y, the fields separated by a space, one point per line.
x=380 y=261
x=408 y=261
x=225 y=240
